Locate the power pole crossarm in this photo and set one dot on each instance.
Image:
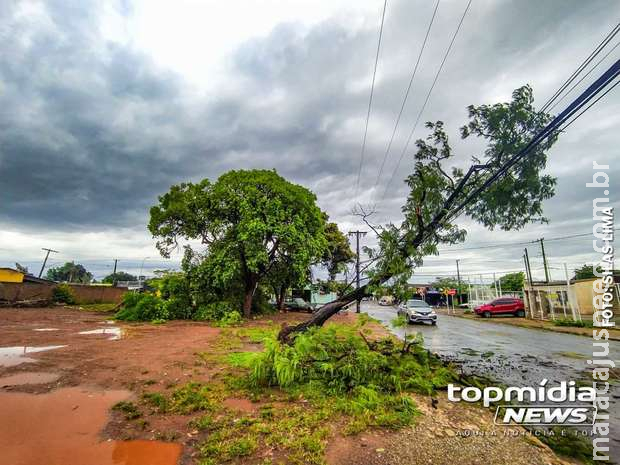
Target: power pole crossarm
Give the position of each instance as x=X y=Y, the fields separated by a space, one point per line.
x=357 y=235
x=45 y=261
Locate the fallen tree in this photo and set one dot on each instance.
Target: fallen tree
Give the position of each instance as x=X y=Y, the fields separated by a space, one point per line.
x=504 y=189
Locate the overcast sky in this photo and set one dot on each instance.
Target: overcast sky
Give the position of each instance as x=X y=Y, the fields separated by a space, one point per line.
x=105 y=104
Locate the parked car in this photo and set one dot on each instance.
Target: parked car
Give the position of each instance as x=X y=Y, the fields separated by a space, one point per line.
x=297 y=303
x=502 y=306
x=386 y=300
x=417 y=311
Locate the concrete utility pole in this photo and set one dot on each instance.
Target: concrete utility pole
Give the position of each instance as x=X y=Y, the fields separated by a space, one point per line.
x=114 y=273
x=542 y=248
x=458 y=279
x=357 y=235
x=46 y=257
x=528 y=269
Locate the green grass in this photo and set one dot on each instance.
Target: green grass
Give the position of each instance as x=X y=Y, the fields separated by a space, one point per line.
x=129 y=410
x=107 y=307
x=573 y=323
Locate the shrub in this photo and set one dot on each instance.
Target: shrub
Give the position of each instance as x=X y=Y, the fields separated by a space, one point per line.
x=341 y=359
x=212 y=311
x=142 y=307
x=571 y=322
x=230 y=319
x=63 y=294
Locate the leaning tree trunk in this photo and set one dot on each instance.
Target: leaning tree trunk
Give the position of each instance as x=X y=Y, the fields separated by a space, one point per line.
x=280 y=297
x=328 y=310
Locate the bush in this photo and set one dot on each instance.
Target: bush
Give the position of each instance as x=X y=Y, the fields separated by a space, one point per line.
x=343 y=361
x=230 y=319
x=142 y=307
x=571 y=322
x=212 y=311
x=63 y=294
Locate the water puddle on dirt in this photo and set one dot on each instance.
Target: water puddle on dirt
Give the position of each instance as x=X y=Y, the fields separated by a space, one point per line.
x=11 y=356
x=63 y=427
x=114 y=332
x=46 y=329
x=28 y=378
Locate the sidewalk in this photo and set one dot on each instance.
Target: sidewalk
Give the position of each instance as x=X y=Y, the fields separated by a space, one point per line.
x=614 y=334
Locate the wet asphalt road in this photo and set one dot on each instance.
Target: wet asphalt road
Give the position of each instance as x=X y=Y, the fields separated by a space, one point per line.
x=511 y=355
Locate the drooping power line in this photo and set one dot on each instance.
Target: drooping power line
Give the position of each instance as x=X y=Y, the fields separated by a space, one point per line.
x=428 y=95
x=372 y=90
x=402 y=107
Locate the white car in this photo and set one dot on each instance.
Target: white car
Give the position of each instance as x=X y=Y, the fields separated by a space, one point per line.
x=417 y=311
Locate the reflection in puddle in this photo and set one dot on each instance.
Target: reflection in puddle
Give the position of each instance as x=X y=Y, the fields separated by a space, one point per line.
x=115 y=332
x=28 y=378
x=46 y=329
x=63 y=427
x=11 y=356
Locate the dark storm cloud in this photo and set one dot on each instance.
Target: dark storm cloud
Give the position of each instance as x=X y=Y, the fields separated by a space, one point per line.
x=92 y=131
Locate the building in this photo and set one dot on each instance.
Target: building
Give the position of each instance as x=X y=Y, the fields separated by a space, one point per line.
x=562 y=299
x=9 y=275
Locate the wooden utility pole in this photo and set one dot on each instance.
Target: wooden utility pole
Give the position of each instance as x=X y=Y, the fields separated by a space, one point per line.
x=114 y=273
x=544 y=257
x=357 y=235
x=45 y=261
x=528 y=270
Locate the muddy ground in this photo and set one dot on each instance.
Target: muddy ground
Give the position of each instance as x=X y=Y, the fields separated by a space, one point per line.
x=56 y=404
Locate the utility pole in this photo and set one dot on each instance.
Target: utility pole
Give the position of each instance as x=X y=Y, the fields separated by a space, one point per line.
x=458 y=279
x=528 y=270
x=114 y=273
x=45 y=261
x=357 y=235
x=544 y=257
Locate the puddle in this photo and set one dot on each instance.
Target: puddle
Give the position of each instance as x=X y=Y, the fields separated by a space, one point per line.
x=63 y=427
x=115 y=332
x=28 y=378
x=11 y=356
x=46 y=329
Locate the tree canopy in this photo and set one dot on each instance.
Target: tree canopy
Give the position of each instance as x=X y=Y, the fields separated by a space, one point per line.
x=511 y=281
x=439 y=193
x=118 y=276
x=249 y=221
x=587 y=271
x=70 y=272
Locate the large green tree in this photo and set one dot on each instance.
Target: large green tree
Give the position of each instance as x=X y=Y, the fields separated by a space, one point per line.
x=70 y=272
x=248 y=221
x=511 y=281
x=440 y=193
x=118 y=276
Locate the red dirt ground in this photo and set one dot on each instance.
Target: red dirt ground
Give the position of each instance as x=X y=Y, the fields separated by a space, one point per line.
x=94 y=372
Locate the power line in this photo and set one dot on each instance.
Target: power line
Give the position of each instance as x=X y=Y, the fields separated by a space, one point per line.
x=372 y=90
x=402 y=107
x=428 y=95
x=582 y=66
x=583 y=77
x=589 y=106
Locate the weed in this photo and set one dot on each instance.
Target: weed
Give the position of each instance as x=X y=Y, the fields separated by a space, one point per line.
x=129 y=409
x=573 y=323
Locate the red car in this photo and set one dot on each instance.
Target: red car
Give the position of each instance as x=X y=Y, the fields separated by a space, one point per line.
x=502 y=306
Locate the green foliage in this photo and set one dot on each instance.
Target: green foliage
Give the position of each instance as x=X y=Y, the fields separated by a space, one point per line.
x=63 y=294
x=512 y=281
x=338 y=251
x=119 y=276
x=587 y=271
x=341 y=360
x=142 y=307
x=69 y=272
x=213 y=311
x=129 y=409
x=573 y=323
x=231 y=319
x=249 y=220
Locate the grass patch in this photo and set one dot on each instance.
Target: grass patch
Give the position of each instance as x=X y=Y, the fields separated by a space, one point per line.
x=572 y=323
x=99 y=307
x=128 y=409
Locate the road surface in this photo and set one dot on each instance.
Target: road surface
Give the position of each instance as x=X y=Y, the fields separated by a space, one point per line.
x=509 y=354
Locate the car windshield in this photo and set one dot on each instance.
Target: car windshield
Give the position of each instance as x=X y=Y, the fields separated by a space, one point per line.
x=417 y=303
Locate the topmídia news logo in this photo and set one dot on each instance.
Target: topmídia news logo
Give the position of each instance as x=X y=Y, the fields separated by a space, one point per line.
x=562 y=405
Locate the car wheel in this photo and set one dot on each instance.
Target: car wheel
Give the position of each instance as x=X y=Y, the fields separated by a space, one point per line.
x=434 y=323
x=486 y=314
x=520 y=313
